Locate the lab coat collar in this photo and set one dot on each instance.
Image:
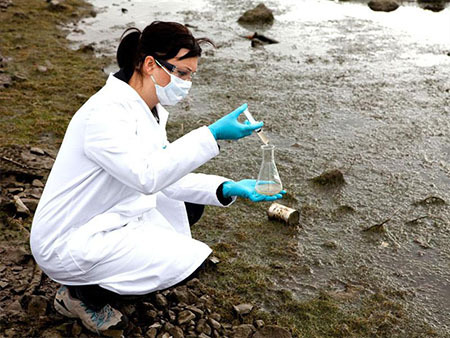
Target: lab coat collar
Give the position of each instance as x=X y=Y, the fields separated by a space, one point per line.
x=123 y=92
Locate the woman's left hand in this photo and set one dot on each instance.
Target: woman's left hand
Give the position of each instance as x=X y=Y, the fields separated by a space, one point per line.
x=246 y=189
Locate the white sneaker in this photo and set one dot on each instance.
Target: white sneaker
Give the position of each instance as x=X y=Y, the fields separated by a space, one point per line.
x=96 y=321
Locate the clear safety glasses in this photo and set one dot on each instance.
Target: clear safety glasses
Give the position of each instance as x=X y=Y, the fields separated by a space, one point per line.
x=178 y=72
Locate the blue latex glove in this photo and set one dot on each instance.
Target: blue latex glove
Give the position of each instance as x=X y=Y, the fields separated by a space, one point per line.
x=229 y=128
x=246 y=188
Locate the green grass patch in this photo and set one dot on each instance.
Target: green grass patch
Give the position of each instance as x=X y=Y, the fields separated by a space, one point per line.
x=37 y=106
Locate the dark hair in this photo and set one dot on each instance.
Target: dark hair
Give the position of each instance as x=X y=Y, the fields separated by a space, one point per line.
x=162 y=40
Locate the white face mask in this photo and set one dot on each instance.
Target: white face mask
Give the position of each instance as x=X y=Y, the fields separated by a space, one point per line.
x=176 y=90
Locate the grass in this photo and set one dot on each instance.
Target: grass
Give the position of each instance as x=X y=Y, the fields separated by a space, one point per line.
x=254 y=252
x=37 y=107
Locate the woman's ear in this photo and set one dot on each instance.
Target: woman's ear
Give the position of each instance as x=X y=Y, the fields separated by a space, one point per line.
x=149 y=65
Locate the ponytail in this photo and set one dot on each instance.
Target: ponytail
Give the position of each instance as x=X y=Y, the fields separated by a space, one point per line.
x=127 y=50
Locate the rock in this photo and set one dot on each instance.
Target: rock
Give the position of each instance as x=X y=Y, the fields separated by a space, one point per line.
x=432 y=5
x=37 y=183
x=124 y=10
x=37 y=306
x=19 y=77
x=89 y=48
x=30 y=203
x=272 y=331
x=5 y=80
x=17 y=255
x=194 y=283
x=113 y=333
x=4 y=4
x=383 y=5
x=203 y=327
x=213 y=260
x=42 y=69
x=57 y=5
x=258 y=323
x=161 y=301
x=3 y=285
x=330 y=178
x=185 y=317
x=76 y=329
x=176 y=332
x=21 y=208
x=14 y=307
x=151 y=333
x=260 y=15
x=243 y=331
x=37 y=151
x=202 y=335
x=181 y=294
x=198 y=313
x=215 y=316
x=330 y=244
x=214 y=323
x=243 y=309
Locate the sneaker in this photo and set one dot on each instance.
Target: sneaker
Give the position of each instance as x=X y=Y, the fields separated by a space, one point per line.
x=107 y=318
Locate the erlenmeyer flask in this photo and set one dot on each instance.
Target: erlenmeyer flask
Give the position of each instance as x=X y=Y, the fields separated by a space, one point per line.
x=269 y=182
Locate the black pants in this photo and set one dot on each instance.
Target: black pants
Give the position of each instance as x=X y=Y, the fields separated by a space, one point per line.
x=96 y=297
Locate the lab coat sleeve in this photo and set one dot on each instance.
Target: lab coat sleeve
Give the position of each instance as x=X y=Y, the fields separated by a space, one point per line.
x=111 y=141
x=197 y=188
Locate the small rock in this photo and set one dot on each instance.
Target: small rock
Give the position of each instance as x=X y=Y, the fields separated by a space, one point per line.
x=19 y=77
x=272 y=331
x=330 y=178
x=214 y=260
x=259 y=323
x=3 y=285
x=17 y=255
x=42 y=69
x=14 y=190
x=14 y=307
x=243 y=309
x=30 y=203
x=202 y=335
x=215 y=316
x=37 y=151
x=203 y=327
x=176 y=332
x=199 y=313
x=89 y=48
x=161 y=301
x=76 y=329
x=151 y=333
x=243 y=331
x=214 y=323
x=124 y=10
x=57 y=5
x=260 y=15
x=21 y=208
x=185 y=317
x=383 y=5
x=37 y=306
x=330 y=244
x=37 y=183
x=5 y=80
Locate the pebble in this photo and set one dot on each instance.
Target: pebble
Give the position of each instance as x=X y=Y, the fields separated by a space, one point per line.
x=243 y=309
x=37 y=183
x=37 y=151
x=185 y=317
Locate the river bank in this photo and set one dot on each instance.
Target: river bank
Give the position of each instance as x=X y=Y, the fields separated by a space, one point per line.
x=360 y=300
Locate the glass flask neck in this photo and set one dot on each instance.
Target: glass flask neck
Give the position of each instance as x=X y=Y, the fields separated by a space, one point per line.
x=268 y=151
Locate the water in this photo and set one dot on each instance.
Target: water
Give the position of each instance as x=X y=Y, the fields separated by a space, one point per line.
x=268 y=189
x=346 y=88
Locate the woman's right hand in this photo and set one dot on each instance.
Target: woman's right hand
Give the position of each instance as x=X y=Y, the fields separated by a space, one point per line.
x=229 y=128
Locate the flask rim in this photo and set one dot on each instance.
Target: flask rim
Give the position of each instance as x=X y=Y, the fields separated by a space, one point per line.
x=267 y=146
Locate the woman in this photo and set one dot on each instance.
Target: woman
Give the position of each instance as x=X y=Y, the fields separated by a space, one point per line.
x=115 y=214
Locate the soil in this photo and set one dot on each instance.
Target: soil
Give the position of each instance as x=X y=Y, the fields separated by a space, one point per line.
x=346 y=91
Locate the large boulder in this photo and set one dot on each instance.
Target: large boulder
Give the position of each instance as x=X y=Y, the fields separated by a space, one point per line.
x=260 y=15
x=383 y=5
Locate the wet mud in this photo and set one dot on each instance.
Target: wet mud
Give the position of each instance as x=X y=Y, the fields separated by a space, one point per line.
x=357 y=100
x=345 y=90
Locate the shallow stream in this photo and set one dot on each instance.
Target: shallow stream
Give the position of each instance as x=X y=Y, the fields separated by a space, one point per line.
x=364 y=92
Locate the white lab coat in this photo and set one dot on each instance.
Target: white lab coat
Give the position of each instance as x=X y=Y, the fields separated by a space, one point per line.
x=112 y=212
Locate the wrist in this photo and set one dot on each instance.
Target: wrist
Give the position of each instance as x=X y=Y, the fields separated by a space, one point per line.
x=226 y=189
x=213 y=131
